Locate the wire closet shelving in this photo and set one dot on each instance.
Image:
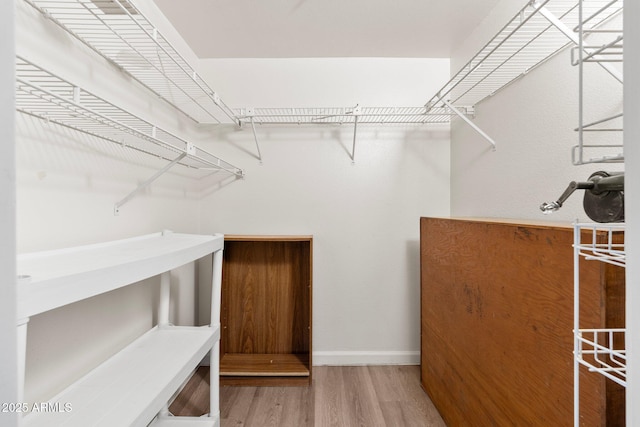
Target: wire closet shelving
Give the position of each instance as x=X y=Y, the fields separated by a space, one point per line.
x=42 y=94
x=119 y=32
x=540 y=30
x=342 y=115
x=535 y=34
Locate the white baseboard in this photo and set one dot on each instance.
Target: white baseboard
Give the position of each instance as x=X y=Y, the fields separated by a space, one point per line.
x=355 y=358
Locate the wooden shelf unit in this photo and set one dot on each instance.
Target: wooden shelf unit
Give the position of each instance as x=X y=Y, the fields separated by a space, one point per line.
x=266 y=311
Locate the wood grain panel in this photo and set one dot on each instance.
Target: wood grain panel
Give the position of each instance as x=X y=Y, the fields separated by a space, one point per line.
x=266 y=296
x=283 y=365
x=497 y=321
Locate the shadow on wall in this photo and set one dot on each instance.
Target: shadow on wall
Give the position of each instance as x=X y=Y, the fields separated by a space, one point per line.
x=413 y=279
x=242 y=139
x=91 y=163
x=421 y=143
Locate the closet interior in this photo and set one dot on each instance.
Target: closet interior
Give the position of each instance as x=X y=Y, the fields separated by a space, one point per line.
x=260 y=332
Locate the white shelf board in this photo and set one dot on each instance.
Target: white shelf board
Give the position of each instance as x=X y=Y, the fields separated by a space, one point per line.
x=131 y=387
x=186 y=422
x=60 y=277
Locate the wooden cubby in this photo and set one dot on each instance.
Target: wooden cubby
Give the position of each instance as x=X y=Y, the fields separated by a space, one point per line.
x=266 y=310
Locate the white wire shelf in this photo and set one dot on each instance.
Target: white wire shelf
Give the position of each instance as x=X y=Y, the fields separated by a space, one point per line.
x=603 y=351
x=44 y=95
x=601 y=242
x=527 y=41
x=341 y=115
x=119 y=32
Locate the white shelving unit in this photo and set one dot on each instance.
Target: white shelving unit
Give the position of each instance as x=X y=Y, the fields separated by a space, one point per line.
x=119 y=32
x=42 y=94
x=600 y=350
x=131 y=388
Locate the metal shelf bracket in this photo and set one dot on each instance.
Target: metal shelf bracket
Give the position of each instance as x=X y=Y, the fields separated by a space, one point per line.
x=470 y=123
x=357 y=110
x=145 y=184
x=250 y=114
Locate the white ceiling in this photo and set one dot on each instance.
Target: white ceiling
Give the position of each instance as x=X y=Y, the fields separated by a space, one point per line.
x=324 y=28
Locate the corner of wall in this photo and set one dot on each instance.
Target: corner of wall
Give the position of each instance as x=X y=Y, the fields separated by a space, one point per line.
x=8 y=333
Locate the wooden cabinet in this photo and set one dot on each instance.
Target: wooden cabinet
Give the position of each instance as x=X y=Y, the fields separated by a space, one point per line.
x=266 y=310
x=497 y=321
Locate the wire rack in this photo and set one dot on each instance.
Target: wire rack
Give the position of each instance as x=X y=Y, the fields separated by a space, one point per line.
x=44 y=95
x=602 y=243
x=603 y=351
x=599 y=137
x=340 y=115
x=527 y=41
x=119 y=32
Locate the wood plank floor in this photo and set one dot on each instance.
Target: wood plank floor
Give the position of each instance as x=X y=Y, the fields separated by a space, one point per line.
x=345 y=396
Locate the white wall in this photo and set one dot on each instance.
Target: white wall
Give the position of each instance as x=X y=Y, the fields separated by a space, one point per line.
x=364 y=216
x=532 y=122
x=67 y=184
x=8 y=360
x=632 y=190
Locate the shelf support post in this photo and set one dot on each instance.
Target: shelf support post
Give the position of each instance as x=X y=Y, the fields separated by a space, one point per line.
x=576 y=323
x=165 y=295
x=215 y=323
x=116 y=208
x=470 y=123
